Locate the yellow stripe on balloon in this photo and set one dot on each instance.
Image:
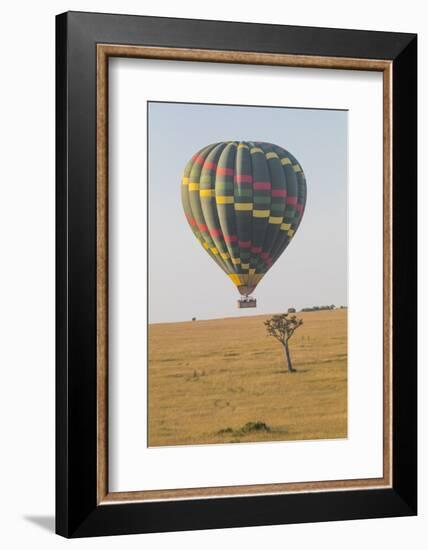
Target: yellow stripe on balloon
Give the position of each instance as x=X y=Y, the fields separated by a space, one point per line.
x=275 y=220
x=214 y=250
x=261 y=213
x=236 y=261
x=285 y=160
x=235 y=278
x=296 y=168
x=254 y=150
x=290 y=232
x=193 y=186
x=205 y=245
x=245 y=266
x=252 y=271
x=243 y=205
x=207 y=192
x=285 y=226
x=243 y=146
x=224 y=200
x=271 y=155
x=185 y=180
x=225 y=255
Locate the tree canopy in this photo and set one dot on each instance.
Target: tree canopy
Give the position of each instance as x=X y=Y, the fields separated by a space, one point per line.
x=282 y=326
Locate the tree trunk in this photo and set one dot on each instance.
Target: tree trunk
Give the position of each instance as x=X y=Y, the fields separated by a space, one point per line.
x=288 y=358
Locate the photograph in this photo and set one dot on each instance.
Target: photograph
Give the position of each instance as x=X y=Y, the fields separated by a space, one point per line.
x=247 y=273
x=213 y=258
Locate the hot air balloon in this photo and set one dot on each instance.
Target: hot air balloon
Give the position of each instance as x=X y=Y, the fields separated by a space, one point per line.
x=244 y=202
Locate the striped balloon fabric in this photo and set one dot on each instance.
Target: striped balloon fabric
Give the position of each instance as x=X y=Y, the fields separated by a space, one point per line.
x=244 y=202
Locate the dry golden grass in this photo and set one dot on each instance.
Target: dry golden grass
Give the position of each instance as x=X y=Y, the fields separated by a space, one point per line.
x=208 y=379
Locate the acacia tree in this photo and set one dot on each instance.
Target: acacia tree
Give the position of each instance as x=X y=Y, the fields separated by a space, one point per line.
x=282 y=327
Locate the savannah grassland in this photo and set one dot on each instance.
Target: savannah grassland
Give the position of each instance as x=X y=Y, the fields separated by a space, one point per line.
x=224 y=381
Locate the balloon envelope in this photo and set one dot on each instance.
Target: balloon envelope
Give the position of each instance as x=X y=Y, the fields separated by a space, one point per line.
x=244 y=202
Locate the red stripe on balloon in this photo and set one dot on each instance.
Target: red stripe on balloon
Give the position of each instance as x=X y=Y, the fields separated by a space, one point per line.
x=216 y=233
x=198 y=159
x=230 y=238
x=244 y=244
x=264 y=255
x=262 y=185
x=221 y=171
x=256 y=249
x=191 y=221
x=202 y=227
x=243 y=178
x=210 y=165
x=279 y=193
x=291 y=200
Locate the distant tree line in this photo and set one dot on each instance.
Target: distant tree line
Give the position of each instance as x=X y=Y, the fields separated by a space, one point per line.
x=319 y=308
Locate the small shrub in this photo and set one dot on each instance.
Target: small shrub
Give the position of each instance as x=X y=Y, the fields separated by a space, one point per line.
x=225 y=431
x=255 y=427
x=247 y=428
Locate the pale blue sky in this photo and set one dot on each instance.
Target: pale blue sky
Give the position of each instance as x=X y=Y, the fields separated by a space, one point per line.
x=183 y=280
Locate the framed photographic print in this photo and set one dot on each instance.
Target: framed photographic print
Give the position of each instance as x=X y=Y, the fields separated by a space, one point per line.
x=236 y=274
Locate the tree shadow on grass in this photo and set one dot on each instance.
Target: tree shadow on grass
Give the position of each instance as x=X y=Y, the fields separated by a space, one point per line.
x=297 y=371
